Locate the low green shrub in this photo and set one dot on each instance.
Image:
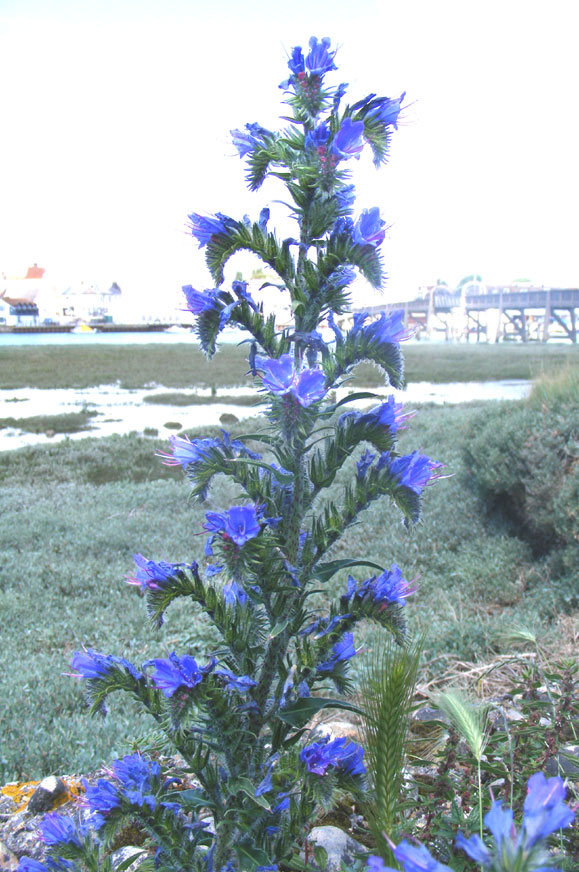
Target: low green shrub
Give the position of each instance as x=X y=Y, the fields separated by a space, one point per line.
x=522 y=460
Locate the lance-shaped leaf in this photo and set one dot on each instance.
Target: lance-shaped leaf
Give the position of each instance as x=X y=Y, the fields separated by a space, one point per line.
x=298 y=713
x=341 y=249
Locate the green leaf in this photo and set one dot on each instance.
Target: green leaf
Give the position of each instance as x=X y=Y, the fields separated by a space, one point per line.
x=195 y=798
x=129 y=861
x=299 y=712
x=251 y=857
x=325 y=571
x=245 y=785
x=278 y=628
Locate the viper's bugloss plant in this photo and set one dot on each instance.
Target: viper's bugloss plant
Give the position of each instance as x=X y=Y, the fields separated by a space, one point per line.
x=239 y=720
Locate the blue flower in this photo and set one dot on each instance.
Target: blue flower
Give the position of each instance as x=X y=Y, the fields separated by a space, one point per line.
x=337 y=332
x=369 y=228
x=239 y=523
x=91 y=664
x=386 y=110
x=138 y=778
x=176 y=672
x=27 y=864
x=376 y=864
x=389 y=587
x=415 y=471
x=278 y=373
x=388 y=328
x=342 y=651
x=310 y=387
x=340 y=277
x=233 y=594
x=246 y=142
x=319 y=60
x=280 y=377
x=186 y=451
x=341 y=754
x=151 y=575
x=345 y=197
x=544 y=810
x=499 y=821
x=349 y=140
x=204 y=227
x=318 y=137
x=283 y=805
x=338 y=94
x=297 y=62
x=364 y=464
x=416 y=858
x=200 y=301
x=388 y=414
x=475 y=848
x=101 y=799
x=58 y=829
x=241 y=683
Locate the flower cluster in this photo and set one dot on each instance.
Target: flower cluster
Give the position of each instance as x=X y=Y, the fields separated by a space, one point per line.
x=280 y=376
x=340 y=754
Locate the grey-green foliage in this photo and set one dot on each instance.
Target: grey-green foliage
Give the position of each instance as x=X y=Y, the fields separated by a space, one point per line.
x=387 y=688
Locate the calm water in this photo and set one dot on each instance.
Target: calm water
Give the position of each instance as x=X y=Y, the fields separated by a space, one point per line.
x=91 y=339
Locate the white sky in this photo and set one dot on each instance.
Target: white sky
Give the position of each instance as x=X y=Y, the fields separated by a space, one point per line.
x=115 y=120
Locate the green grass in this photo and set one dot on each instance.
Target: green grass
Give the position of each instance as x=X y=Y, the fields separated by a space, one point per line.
x=74 y=513
x=71 y=422
x=184 y=366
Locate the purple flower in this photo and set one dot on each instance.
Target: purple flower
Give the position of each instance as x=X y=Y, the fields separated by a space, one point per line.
x=280 y=377
x=388 y=414
x=499 y=821
x=239 y=523
x=349 y=140
x=475 y=848
x=544 y=810
x=369 y=228
x=204 y=227
x=91 y=664
x=376 y=864
x=341 y=754
x=58 y=829
x=416 y=858
x=319 y=60
x=283 y=805
x=241 y=683
x=310 y=387
x=341 y=277
x=386 y=110
x=100 y=798
x=176 y=672
x=246 y=142
x=317 y=137
x=364 y=464
x=415 y=471
x=233 y=594
x=388 y=328
x=27 y=864
x=389 y=587
x=278 y=373
x=138 y=778
x=297 y=62
x=200 y=301
x=151 y=575
x=345 y=196
x=185 y=450
x=341 y=651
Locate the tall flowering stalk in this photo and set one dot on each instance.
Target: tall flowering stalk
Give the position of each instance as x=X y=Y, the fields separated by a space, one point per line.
x=239 y=720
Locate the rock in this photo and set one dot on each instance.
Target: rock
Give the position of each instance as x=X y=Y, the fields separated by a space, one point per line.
x=428 y=713
x=8 y=860
x=227 y=418
x=45 y=794
x=565 y=762
x=338 y=845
